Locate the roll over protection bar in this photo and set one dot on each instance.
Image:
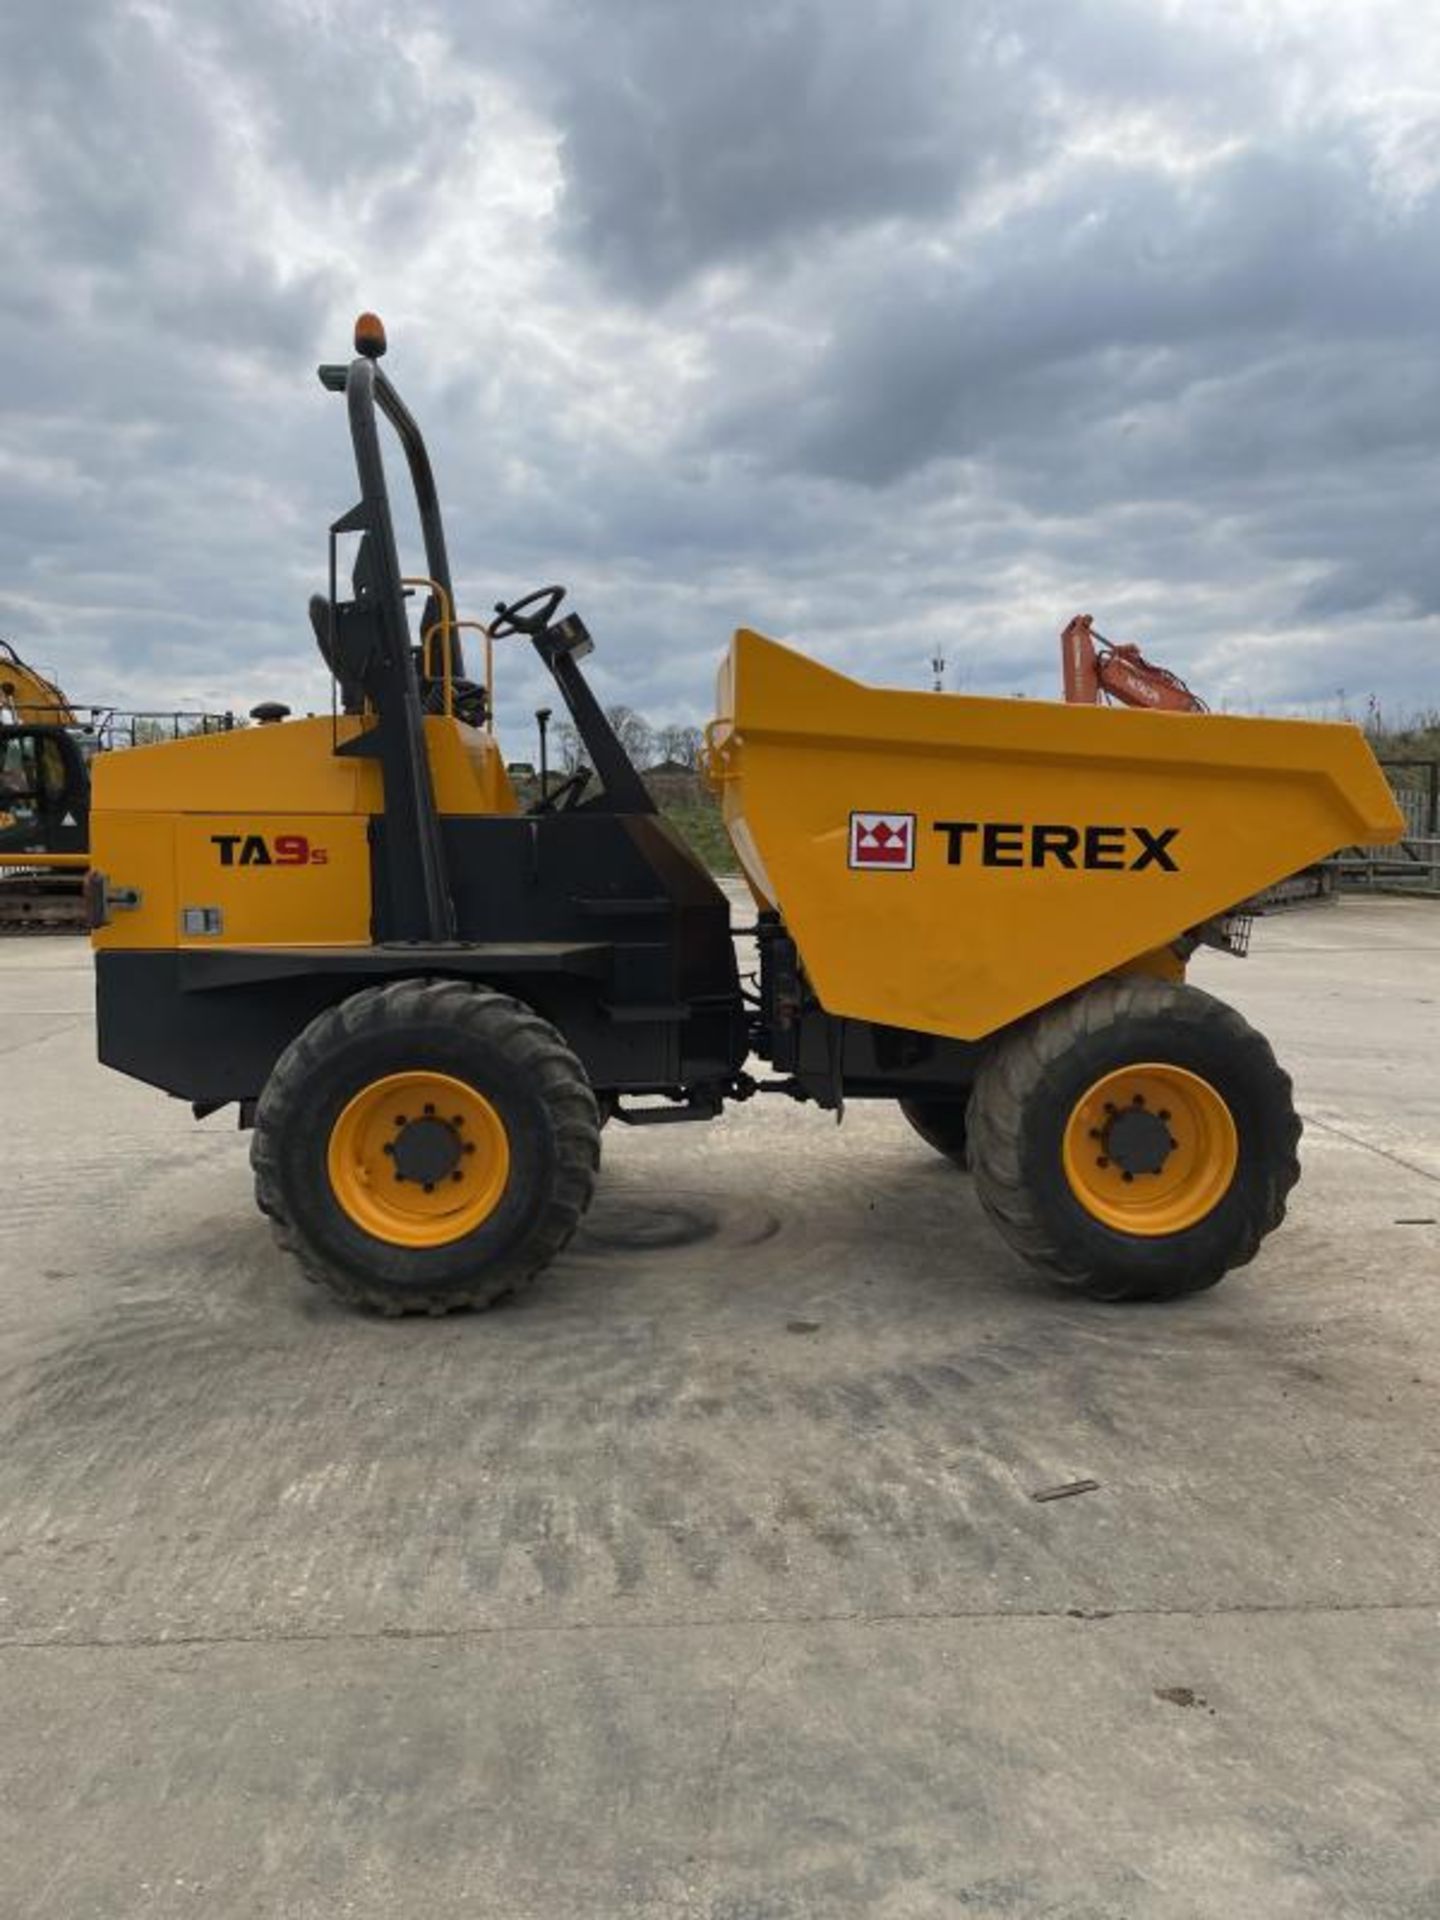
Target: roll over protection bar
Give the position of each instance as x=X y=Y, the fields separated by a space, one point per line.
x=365 y=388
x=417 y=902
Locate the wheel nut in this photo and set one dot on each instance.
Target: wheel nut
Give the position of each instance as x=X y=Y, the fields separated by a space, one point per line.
x=469 y=1146
x=1138 y=1101
x=1164 y=1113
x=389 y=1148
x=428 y=1107
x=1127 y=1176
x=1095 y=1134
x=458 y=1119
x=400 y=1120
x=457 y=1175
x=429 y=1186
x=1102 y=1161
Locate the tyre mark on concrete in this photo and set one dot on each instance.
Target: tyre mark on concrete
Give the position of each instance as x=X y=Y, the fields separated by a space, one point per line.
x=674 y=1497
x=40 y=1039
x=1422 y=1610
x=1369 y=1146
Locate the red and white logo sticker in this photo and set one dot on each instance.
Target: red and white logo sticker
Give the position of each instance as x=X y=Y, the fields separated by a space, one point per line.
x=883 y=840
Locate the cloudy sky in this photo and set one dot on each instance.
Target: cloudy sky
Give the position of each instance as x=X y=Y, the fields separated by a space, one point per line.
x=889 y=326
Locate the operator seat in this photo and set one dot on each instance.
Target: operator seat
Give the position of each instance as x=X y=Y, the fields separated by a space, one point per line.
x=467 y=697
x=352 y=694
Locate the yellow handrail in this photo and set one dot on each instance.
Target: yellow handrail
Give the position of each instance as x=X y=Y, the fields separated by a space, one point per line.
x=444 y=626
x=479 y=626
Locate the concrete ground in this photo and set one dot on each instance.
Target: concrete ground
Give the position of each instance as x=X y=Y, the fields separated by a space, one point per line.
x=708 y=1580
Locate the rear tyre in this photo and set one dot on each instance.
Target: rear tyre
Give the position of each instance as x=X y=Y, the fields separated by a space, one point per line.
x=941 y=1124
x=1138 y=1139
x=425 y=1145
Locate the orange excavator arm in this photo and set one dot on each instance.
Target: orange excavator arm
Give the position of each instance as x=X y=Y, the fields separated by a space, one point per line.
x=1096 y=669
x=27 y=698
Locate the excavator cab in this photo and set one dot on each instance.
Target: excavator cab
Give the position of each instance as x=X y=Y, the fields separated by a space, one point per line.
x=48 y=745
x=44 y=825
x=44 y=791
x=44 y=770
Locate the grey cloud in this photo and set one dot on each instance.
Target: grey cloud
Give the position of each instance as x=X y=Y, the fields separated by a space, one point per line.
x=1123 y=291
x=694 y=136
x=1254 y=345
x=697 y=136
x=853 y=322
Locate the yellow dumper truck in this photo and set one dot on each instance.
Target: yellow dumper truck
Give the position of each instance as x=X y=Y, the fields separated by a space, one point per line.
x=426 y=1001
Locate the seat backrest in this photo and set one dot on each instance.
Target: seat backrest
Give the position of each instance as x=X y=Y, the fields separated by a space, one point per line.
x=352 y=697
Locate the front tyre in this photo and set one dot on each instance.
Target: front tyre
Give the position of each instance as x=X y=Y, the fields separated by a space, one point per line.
x=1137 y=1139
x=425 y=1145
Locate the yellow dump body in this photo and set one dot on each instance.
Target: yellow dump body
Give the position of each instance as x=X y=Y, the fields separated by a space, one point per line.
x=949 y=864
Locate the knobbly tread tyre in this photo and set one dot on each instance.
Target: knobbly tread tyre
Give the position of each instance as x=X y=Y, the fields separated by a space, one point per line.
x=941 y=1124
x=508 y=1052
x=1028 y=1085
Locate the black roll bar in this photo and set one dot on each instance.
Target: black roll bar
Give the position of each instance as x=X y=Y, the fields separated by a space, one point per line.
x=366 y=387
x=416 y=902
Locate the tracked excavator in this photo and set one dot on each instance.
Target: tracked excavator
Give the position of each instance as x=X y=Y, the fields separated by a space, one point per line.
x=47 y=745
x=44 y=799
x=1098 y=670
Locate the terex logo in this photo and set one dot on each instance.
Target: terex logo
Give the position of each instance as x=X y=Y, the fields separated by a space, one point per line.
x=1011 y=843
x=254 y=850
x=883 y=840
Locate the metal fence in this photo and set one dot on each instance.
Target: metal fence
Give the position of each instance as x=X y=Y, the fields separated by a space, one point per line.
x=1411 y=867
x=1416 y=786
x=106 y=728
x=1413 y=864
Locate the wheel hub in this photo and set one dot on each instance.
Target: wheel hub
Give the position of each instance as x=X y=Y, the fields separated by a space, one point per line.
x=1150 y=1149
x=427 y=1150
x=1136 y=1140
x=419 y=1158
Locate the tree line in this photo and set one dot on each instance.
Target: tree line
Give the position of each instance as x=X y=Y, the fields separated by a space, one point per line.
x=647 y=746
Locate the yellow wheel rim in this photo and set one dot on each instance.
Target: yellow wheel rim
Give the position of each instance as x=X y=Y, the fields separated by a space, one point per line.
x=419 y=1159
x=1150 y=1149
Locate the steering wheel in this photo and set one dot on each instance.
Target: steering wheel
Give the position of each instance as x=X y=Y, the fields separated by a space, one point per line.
x=516 y=619
x=567 y=795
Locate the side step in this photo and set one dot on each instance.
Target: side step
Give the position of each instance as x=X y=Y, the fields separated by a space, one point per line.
x=699 y=1106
